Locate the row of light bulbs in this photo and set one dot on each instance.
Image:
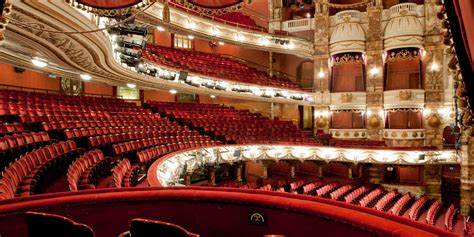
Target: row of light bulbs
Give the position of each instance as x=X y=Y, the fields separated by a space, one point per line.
x=42 y=63
x=214 y=31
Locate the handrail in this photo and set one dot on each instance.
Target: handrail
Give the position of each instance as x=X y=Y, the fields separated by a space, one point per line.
x=46 y=91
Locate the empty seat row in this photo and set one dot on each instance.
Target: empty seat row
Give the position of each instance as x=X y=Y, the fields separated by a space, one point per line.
x=10 y=128
x=31 y=171
x=87 y=169
x=125 y=175
x=12 y=147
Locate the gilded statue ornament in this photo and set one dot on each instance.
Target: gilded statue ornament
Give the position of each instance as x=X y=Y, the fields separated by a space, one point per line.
x=346 y=98
x=321 y=122
x=434 y=121
x=405 y=95
x=374 y=121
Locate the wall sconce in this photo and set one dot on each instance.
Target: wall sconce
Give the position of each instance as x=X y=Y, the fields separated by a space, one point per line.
x=434 y=67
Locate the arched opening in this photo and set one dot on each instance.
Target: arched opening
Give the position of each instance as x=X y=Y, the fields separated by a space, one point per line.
x=403 y=69
x=348 y=72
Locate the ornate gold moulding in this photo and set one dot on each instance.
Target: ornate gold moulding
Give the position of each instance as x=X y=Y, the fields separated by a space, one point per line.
x=169 y=168
x=91 y=53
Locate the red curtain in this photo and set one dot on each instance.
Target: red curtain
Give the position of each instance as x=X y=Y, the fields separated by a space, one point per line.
x=347 y=78
x=403 y=74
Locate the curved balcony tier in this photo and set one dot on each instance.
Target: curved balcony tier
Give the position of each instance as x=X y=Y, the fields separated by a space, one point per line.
x=349 y=133
x=168 y=169
x=348 y=100
x=404 y=134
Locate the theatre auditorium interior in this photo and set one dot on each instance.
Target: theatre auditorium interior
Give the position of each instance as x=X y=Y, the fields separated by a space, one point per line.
x=236 y=118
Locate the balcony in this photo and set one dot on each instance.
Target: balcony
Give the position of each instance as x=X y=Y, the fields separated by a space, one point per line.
x=349 y=133
x=409 y=98
x=404 y=29
x=348 y=34
x=348 y=100
x=298 y=25
x=404 y=134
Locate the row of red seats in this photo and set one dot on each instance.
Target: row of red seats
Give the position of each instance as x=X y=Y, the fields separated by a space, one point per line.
x=10 y=128
x=125 y=174
x=349 y=198
x=433 y=212
x=325 y=189
x=213 y=65
x=149 y=121
x=61 y=125
x=415 y=209
x=12 y=147
x=449 y=217
x=238 y=129
x=30 y=172
x=384 y=201
x=85 y=171
x=163 y=131
x=105 y=140
x=400 y=204
x=238 y=18
x=14 y=108
x=309 y=189
x=366 y=200
x=340 y=191
x=16 y=95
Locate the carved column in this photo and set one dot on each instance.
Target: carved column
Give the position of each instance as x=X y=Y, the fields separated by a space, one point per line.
x=432 y=178
x=272 y=110
x=435 y=74
x=374 y=173
x=349 y=171
x=265 y=170
x=211 y=176
x=293 y=164
x=187 y=178
x=275 y=15
x=270 y=63
x=374 y=82
x=467 y=174
x=238 y=172
x=321 y=67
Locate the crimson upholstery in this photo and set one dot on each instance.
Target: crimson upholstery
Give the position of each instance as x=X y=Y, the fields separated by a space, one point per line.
x=213 y=65
x=143 y=227
x=44 y=224
x=109 y=4
x=212 y=212
x=232 y=125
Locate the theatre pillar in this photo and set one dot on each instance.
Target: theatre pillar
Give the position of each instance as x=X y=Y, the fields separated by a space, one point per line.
x=211 y=176
x=374 y=73
x=238 y=172
x=374 y=173
x=467 y=174
x=432 y=179
x=187 y=178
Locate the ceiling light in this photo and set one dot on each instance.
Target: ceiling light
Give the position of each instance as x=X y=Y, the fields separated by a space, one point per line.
x=159 y=28
x=190 y=37
x=130 y=85
x=215 y=31
x=308 y=15
x=221 y=43
x=39 y=62
x=173 y=91
x=86 y=77
x=213 y=96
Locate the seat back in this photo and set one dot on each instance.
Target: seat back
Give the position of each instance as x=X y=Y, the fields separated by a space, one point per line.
x=44 y=224
x=144 y=228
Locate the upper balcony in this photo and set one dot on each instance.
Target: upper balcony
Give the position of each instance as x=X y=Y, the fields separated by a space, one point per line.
x=348 y=34
x=195 y=23
x=404 y=28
